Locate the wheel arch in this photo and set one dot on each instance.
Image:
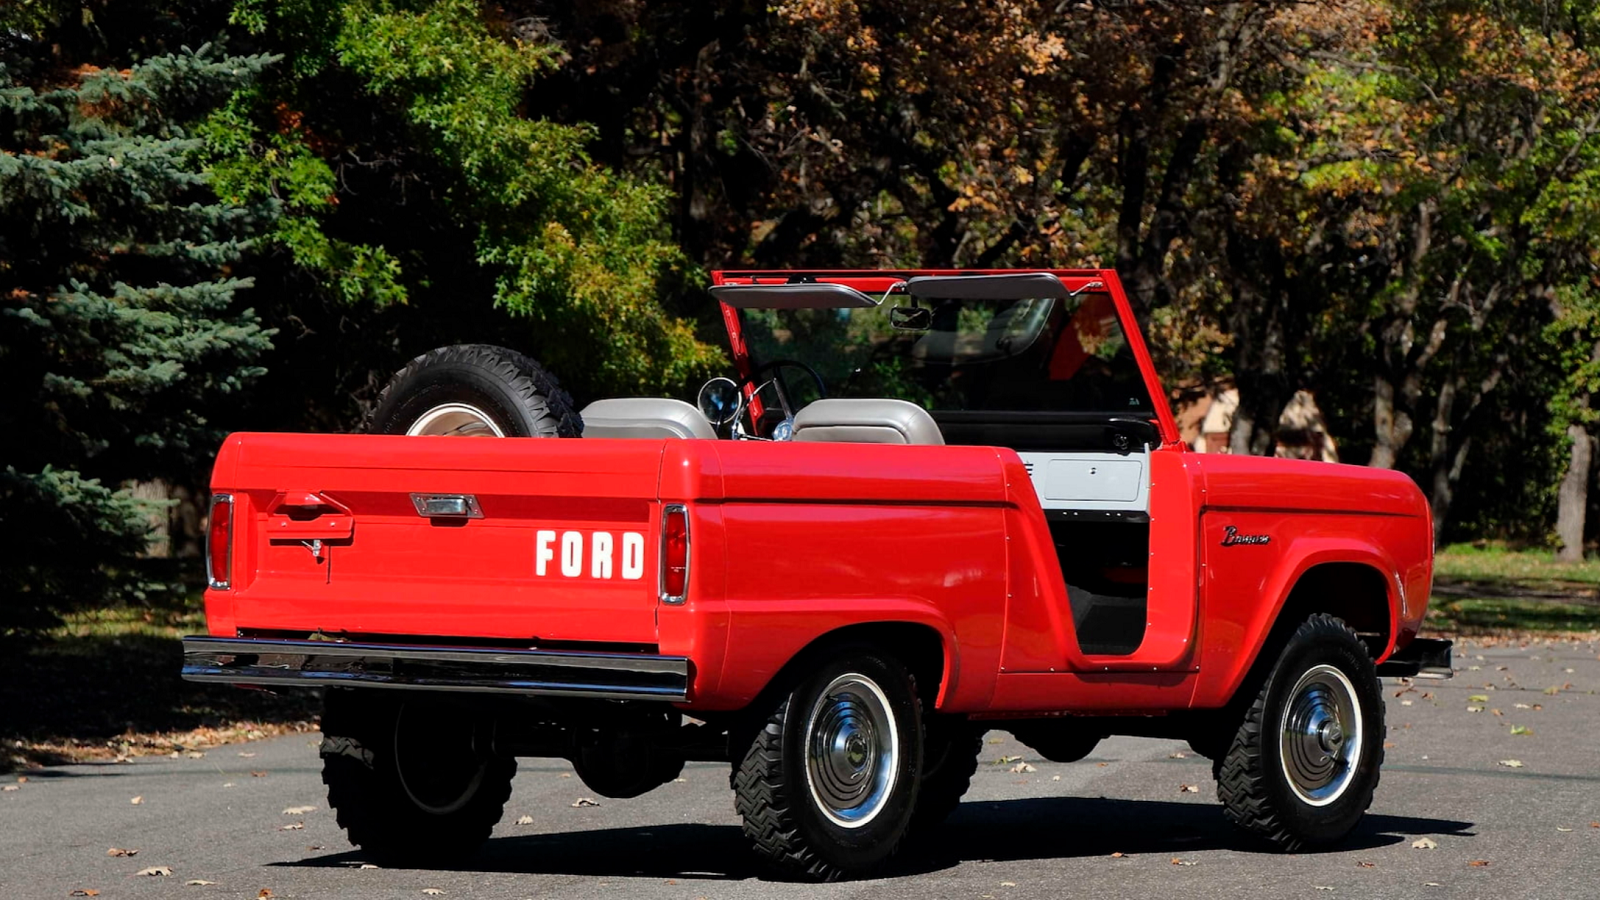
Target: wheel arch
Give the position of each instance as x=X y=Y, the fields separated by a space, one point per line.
x=926 y=652
x=1350 y=580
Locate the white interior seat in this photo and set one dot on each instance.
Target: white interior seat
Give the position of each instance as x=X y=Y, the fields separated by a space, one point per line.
x=645 y=417
x=867 y=421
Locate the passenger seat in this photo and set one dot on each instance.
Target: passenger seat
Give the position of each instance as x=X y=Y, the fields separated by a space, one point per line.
x=645 y=417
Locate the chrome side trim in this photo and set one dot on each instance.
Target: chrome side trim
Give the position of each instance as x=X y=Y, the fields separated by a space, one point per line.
x=290 y=663
x=211 y=575
x=661 y=575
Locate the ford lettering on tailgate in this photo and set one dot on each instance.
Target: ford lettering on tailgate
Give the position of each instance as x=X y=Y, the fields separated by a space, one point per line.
x=601 y=548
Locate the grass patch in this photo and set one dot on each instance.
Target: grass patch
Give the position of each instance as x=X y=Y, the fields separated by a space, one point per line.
x=1481 y=590
x=105 y=685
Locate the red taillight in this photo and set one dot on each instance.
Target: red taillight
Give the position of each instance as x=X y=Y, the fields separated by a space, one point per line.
x=674 y=554
x=219 y=544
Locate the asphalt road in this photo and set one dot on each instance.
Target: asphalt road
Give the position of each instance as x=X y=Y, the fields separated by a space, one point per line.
x=1502 y=830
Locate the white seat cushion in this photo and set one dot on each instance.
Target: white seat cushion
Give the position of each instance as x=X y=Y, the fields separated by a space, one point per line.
x=866 y=422
x=645 y=417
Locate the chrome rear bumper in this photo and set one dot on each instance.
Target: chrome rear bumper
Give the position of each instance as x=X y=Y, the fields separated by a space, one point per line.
x=271 y=663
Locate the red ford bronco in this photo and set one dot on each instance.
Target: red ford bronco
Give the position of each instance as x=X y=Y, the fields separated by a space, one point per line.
x=933 y=503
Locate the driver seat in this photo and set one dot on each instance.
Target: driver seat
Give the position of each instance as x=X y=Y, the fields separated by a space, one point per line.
x=868 y=421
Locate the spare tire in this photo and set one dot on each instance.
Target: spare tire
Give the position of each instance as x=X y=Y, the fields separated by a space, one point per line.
x=475 y=390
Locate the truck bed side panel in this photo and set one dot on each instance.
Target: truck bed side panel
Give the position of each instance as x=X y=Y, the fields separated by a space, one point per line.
x=886 y=534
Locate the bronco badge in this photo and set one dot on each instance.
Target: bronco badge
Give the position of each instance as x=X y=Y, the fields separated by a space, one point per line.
x=1233 y=538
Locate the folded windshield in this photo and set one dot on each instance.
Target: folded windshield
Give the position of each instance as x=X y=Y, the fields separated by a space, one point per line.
x=1041 y=354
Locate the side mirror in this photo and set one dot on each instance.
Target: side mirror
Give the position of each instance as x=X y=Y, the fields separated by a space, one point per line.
x=910 y=318
x=720 y=401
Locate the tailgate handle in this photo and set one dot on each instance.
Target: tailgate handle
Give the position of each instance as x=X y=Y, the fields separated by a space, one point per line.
x=447 y=506
x=298 y=515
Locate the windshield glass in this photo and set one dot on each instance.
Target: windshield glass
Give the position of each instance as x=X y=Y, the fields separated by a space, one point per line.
x=1040 y=355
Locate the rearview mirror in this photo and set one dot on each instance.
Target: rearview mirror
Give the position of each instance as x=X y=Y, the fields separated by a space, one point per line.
x=910 y=318
x=720 y=401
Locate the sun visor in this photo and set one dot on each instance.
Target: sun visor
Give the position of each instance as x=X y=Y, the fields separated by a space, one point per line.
x=807 y=295
x=1020 y=286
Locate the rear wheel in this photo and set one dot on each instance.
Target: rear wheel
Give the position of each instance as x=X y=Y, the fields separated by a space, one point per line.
x=412 y=782
x=475 y=390
x=827 y=785
x=1304 y=762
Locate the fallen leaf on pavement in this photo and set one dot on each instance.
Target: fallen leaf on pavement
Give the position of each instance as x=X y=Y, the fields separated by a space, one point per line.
x=1188 y=788
x=432 y=892
x=118 y=851
x=1178 y=862
x=1405 y=702
x=1559 y=828
x=525 y=820
x=1008 y=884
x=1478 y=698
x=158 y=871
x=1424 y=844
x=1510 y=763
x=1366 y=865
x=1431 y=884
x=298 y=810
x=366 y=866
x=1323 y=887
x=1007 y=760
x=246 y=755
x=1521 y=729
x=258 y=774
x=265 y=893
x=1055 y=777
x=10 y=787
x=1477 y=863
x=1118 y=855
x=84 y=892
x=1022 y=768
x=582 y=802
x=198 y=882
x=1177 y=755
x=1474 y=709
x=195 y=754
x=292 y=826
x=137 y=800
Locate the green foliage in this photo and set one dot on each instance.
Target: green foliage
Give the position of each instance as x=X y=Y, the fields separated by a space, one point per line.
x=576 y=252
x=120 y=334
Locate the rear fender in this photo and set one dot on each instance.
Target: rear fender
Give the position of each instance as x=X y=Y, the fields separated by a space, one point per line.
x=768 y=636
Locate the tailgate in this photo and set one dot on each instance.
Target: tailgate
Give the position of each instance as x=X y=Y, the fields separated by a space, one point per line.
x=335 y=533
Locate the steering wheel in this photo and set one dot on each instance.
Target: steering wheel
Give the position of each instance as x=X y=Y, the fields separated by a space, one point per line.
x=770 y=368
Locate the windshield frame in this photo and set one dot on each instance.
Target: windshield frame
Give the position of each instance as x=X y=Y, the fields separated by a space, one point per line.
x=879 y=283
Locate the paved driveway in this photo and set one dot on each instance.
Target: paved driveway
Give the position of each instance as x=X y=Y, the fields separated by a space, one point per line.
x=1502 y=830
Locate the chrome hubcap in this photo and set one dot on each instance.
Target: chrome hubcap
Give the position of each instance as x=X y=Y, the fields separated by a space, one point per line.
x=455 y=420
x=1320 y=737
x=852 y=751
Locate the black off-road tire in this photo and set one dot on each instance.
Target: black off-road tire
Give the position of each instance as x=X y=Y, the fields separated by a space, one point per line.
x=370 y=797
x=513 y=391
x=783 y=818
x=1252 y=782
x=950 y=750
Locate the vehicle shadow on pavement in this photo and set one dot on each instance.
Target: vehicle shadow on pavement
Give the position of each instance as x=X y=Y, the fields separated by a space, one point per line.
x=1006 y=830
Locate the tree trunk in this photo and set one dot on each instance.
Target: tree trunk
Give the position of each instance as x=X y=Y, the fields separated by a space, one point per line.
x=1573 y=499
x=1391 y=426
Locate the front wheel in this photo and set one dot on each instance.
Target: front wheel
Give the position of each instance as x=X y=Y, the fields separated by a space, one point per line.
x=1302 y=766
x=828 y=784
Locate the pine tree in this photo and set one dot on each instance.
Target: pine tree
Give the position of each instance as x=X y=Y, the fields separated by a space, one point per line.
x=121 y=334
